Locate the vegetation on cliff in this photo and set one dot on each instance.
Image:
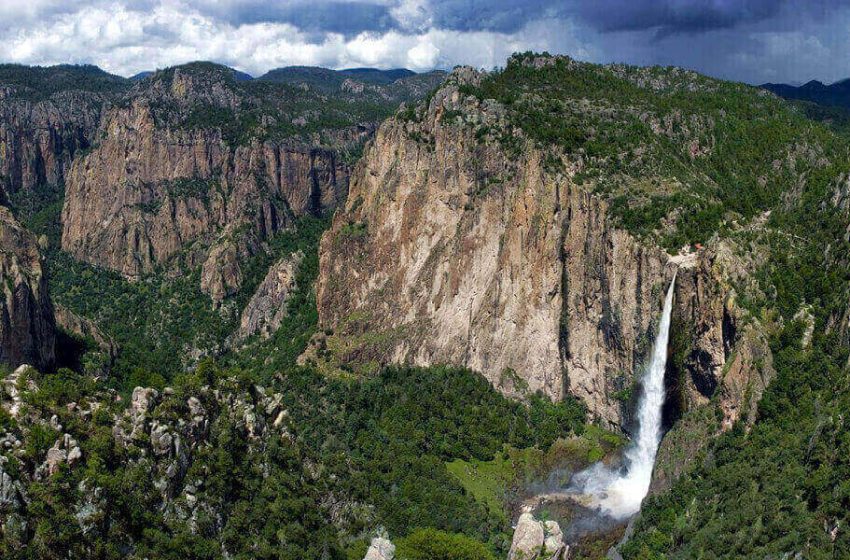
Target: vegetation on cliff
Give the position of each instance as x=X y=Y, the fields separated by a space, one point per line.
x=274 y=107
x=780 y=486
x=36 y=83
x=680 y=156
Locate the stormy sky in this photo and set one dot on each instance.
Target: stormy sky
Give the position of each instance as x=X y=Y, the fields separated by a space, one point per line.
x=754 y=41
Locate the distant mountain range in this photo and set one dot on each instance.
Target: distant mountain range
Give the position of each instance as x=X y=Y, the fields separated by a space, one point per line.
x=835 y=95
x=318 y=77
x=45 y=80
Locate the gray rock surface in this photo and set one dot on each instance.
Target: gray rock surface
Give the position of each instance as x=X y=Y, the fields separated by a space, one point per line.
x=537 y=540
x=450 y=250
x=27 y=324
x=268 y=306
x=529 y=538
x=380 y=549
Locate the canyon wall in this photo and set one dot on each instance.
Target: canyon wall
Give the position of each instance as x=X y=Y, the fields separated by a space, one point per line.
x=38 y=139
x=147 y=192
x=450 y=250
x=27 y=326
x=456 y=248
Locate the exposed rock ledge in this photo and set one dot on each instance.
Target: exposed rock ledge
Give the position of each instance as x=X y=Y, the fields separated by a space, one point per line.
x=267 y=308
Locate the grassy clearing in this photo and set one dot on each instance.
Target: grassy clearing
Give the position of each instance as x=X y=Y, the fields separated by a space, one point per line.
x=492 y=482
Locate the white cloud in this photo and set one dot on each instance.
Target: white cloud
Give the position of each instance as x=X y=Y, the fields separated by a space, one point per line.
x=123 y=40
x=424 y=55
x=412 y=14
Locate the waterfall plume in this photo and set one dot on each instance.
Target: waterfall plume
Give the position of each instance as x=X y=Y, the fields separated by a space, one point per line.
x=619 y=493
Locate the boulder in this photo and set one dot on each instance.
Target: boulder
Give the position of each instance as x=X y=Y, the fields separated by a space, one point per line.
x=529 y=538
x=9 y=500
x=537 y=540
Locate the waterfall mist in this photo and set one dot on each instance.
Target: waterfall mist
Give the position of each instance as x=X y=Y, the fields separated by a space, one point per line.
x=619 y=493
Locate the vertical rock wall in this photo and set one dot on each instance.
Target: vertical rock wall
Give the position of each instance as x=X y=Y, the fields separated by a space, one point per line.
x=27 y=326
x=449 y=250
x=146 y=193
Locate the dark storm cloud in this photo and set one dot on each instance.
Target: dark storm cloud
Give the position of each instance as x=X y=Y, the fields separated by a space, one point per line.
x=354 y=16
x=675 y=16
x=670 y=17
x=663 y=17
x=504 y=16
x=319 y=16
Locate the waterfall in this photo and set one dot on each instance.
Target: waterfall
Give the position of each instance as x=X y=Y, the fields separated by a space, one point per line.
x=619 y=493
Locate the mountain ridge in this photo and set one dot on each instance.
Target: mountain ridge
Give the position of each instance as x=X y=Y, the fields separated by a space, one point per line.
x=836 y=94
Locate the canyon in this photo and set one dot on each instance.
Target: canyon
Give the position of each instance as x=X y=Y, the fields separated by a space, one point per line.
x=371 y=310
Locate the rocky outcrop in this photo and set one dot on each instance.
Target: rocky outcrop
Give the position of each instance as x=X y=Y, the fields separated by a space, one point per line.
x=268 y=306
x=709 y=324
x=221 y=274
x=64 y=452
x=720 y=363
x=161 y=433
x=745 y=377
x=381 y=548
x=146 y=193
x=10 y=492
x=27 y=326
x=537 y=540
x=39 y=139
x=170 y=430
x=451 y=250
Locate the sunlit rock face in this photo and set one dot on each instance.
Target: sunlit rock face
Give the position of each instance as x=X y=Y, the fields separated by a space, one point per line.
x=456 y=251
x=182 y=174
x=145 y=193
x=537 y=540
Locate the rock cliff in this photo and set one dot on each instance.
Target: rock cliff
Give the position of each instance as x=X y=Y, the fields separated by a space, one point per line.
x=38 y=140
x=462 y=243
x=155 y=185
x=47 y=116
x=27 y=326
x=720 y=362
x=455 y=251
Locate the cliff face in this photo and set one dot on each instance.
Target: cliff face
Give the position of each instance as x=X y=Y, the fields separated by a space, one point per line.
x=449 y=250
x=267 y=308
x=27 y=327
x=145 y=192
x=38 y=139
x=457 y=248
